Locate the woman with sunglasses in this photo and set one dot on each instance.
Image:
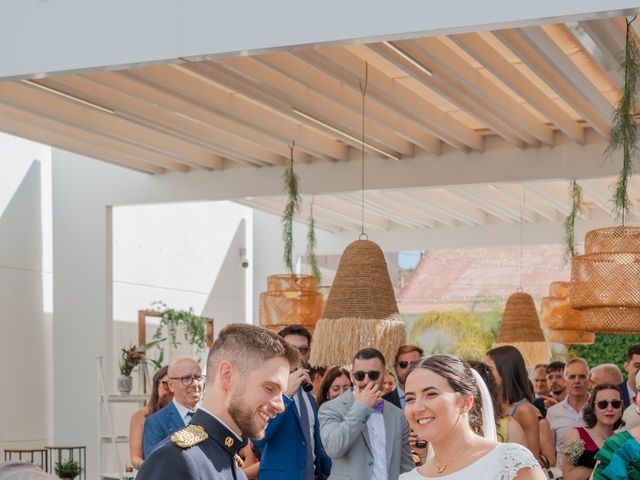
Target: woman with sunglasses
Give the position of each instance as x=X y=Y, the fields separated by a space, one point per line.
x=160 y=396
x=602 y=415
x=335 y=382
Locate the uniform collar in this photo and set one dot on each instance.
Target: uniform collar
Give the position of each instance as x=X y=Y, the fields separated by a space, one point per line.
x=218 y=431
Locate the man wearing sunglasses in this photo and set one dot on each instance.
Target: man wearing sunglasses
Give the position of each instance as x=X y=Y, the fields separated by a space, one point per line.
x=406 y=357
x=185 y=381
x=365 y=436
x=291 y=448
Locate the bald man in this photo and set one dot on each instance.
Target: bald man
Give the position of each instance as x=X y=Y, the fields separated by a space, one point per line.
x=185 y=381
x=607 y=373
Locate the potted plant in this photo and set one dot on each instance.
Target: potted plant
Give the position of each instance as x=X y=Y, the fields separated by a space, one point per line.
x=192 y=326
x=68 y=469
x=131 y=358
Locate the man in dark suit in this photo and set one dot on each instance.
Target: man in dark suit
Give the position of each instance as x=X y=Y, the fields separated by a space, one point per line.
x=631 y=366
x=291 y=448
x=185 y=381
x=248 y=369
x=405 y=358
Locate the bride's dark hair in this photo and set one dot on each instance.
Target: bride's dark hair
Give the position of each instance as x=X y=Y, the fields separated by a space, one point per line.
x=459 y=377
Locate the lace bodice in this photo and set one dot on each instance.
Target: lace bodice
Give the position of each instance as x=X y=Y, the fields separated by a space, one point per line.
x=502 y=463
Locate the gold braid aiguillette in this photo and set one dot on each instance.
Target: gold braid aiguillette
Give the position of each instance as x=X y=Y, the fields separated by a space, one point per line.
x=189 y=436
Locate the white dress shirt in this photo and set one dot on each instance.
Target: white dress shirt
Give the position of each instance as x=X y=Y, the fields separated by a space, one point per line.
x=562 y=417
x=183 y=411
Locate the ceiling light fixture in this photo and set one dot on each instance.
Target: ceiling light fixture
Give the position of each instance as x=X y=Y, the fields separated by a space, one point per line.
x=344 y=134
x=409 y=58
x=69 y=96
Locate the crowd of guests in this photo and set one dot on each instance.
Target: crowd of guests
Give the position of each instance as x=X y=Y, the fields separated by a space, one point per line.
x=424 y=416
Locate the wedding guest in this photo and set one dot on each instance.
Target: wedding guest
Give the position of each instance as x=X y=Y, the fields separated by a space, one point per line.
x=509 y=370
x=619 y=457
x=631 y=415
x=602 y=415
x=185 y=381
x=160 y=396
x=508 y=429
x=335 y=382
x=606 y=373
x=407 y=356
x=632 y=367
x=389 y=383
x=568 y=413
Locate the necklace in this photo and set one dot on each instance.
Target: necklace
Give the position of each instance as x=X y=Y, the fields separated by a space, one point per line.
x=441 y=469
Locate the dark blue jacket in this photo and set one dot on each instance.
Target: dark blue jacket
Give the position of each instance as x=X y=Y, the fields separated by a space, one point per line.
x=211 y=459
x=159 y=426
x=283 y=449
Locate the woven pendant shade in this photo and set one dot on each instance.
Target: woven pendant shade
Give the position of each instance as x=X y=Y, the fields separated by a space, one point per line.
x=605 y=281
x=361 y=309
x=290 y=300
x=520 y=328
x=562 y=324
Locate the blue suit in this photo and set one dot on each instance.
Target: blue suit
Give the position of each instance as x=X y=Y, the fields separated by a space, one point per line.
x=283 y=449
x=160 y=425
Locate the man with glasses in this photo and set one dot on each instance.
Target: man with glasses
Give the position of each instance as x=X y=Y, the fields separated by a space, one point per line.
x=185 y=381
x=291 y=448
x=365 y=436
x=568 y=414
x=405 y=358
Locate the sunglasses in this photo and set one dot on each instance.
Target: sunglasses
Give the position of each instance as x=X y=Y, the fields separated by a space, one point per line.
x=603 y=404
x=405 y=364
x=373 y=375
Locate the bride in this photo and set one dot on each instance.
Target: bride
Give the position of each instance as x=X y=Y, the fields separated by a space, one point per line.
x=444 y=406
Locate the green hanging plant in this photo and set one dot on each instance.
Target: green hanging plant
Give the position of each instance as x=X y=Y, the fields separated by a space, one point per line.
x=311 y=248
x=623 y=131
x=194 y=326
x=575 y=193
x=292 y=207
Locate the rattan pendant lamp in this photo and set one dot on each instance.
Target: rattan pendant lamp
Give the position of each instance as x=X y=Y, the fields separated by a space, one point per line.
x=561 y=323
x=605 y=281
x=361 y=309
x=520 y=326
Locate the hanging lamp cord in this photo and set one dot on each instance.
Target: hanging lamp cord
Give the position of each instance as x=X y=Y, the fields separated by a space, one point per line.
x=363 y=91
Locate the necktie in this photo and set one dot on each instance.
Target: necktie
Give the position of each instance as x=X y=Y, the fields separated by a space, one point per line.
x=379 y=406
x=304 y=423
x=189 y=416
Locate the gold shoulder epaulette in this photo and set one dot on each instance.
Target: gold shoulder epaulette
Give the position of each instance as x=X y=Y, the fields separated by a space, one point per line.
x=189 y=436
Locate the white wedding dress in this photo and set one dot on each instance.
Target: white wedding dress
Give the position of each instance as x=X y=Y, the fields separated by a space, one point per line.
x=501 y=463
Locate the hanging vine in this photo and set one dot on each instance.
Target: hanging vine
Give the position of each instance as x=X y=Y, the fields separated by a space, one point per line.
x=311 y=248
x=575 y=193
x=623 y=131
x=292 y=207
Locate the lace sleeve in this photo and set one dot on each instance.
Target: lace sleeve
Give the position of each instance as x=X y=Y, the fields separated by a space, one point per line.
x=515 y=457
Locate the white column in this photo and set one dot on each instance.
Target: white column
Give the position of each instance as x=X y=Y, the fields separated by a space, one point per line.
x=82 y=297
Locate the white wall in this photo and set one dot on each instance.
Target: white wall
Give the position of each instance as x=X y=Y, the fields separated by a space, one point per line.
x=25 y=294
x=183 y=254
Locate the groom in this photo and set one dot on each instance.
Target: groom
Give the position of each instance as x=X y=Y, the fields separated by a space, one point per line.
x=360 y=431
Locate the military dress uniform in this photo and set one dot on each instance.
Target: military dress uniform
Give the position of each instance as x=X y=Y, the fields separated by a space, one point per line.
x=204 y=450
